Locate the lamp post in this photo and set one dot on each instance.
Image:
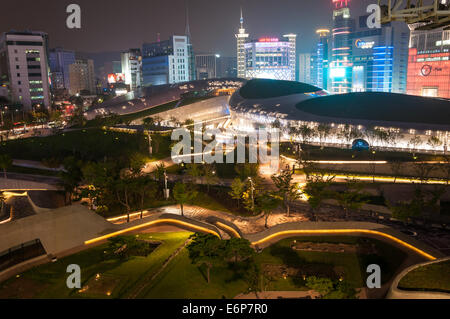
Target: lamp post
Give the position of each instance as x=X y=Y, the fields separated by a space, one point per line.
x=252 y=188
x=166 y=190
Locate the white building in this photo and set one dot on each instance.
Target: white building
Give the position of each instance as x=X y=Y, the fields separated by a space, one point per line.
x=24 y=68
x=271 y=58
x=132 y=68
x=241 y=38
x=307 y=72
x=166 y=62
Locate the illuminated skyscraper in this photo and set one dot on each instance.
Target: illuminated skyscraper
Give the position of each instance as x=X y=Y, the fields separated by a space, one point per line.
x=341 y=65
x=271 y=58
x=241 y=40
x=322 y=58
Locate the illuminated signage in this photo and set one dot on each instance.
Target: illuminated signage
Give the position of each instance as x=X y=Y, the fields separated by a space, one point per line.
x=116 y=78
x=337 y=73
x=360 y=44
x=268 y=40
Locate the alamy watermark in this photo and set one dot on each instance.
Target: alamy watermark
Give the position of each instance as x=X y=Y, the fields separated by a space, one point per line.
x=74 y=279
x=374 y=279
x=73 y=21
x=227 y=146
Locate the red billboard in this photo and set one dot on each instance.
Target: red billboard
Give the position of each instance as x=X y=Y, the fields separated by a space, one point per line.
x=116 y=78
x=428 y=74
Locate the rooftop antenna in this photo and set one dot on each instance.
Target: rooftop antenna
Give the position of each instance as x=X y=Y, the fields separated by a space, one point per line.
x=242 y=20
x=187 y=29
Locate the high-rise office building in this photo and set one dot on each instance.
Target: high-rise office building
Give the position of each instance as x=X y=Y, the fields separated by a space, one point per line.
x=59 y=61
x=132 y=68
x=322 y=58
x=165 y=62
x=206 y=66
x=307 y=63
x=271 y=58
x=366 y=59
x=341 y=65
x=24 y=68
x=429 y=63
x=379 y=58
x=241 y=38
x=82 y=77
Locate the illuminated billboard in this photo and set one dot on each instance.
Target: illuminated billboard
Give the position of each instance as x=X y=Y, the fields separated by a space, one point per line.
x=116 y=78
x=337 y=72
x=429 y=74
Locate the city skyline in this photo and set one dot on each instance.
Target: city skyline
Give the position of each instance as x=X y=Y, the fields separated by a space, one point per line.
x=116 y=27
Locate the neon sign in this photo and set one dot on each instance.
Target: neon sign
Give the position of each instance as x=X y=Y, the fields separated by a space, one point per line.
x=360 y=44
x=268 y=40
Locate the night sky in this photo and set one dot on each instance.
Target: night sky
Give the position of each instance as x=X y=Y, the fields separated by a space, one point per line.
x=115 y=25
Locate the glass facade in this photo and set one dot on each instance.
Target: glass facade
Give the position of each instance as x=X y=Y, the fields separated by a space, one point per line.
x=429 y=64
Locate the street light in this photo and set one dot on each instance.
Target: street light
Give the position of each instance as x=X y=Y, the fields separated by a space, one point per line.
x=252 y=188
x=166 y=190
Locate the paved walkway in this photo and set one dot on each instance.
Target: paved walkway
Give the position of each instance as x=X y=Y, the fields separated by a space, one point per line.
x=310 y=294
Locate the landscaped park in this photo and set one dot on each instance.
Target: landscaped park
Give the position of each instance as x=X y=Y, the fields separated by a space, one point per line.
x=175 y=265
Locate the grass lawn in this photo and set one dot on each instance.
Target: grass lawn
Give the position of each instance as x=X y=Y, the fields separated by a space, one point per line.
x=86 y=144
x=351 y=266
x=116 y=276
x=181 y=280
x=343 y=154
x=434 y=277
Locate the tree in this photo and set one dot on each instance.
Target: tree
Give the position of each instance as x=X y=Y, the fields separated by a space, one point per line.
x=396 y=168
x=71 y=176
x=446 y=168
x=148 y=122
x=207 y=250
x=253 y=279
x=124 y=188
x=183 y=194
x=305 y=133
x=321 y=285
x=239 y=249
x=276 y=124
x=136 y=163
x=353 y=198
x=209 y=175
x=323 y=130
x=245 y=170
x=434 y=142
x=349 y=133
x=414 y=142
x=268 y=203
x=194 y=170
x=237 y=189
x=287 y=189
x=145 y=187
x=2 y=202
x=317 y=190
x=423 y=170
x=5 y=163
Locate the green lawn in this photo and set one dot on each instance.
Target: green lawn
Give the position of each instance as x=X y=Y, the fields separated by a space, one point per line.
x=86 y=144
x=343 y=154
x=434 y=277
x=351 y=266
x=181 y=279
x=49 y=280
